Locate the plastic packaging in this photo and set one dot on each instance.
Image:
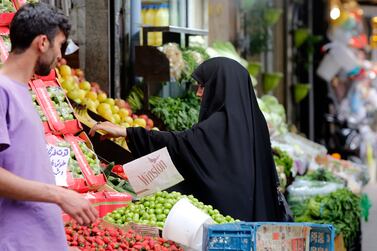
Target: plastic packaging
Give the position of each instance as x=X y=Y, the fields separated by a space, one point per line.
x=302 y=189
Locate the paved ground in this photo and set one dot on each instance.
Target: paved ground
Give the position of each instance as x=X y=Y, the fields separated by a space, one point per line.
x=369 y=229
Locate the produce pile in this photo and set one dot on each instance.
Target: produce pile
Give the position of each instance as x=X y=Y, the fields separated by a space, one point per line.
x=117 y=111
x=58 y=99
x=284 y=164
x=193 y=57
x=183 y=62
x=340 y=208
x=7 y=6
x=177 y=113
x=97 y=237
x=73 y=165
x=153 y=210
x=37 y=106
x=226 y=49
x=274 y=114
x=177 y=64
x=118 y=179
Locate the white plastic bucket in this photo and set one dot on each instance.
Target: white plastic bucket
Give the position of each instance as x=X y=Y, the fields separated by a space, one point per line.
x=184 y=224
x=328 y=68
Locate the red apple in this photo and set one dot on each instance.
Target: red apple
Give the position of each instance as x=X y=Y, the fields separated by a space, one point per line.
x=134 y=116
x=150 y=123
x=121 y=103
x=145 y=117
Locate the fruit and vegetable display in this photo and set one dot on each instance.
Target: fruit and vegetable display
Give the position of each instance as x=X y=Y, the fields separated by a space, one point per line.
x=340 y=208
x=177 y=113
x=7 y=6
x=37 y=106
x=176 y=62
x=274 y=114
x=117 y=179
x=135 y=98
x=225 y=49
x=58 y=99
x=322 y=174
x=81 y=91
x=193 y=57
x=153 y=210
x=284 y=164
x=73 y=165
x=99 y=237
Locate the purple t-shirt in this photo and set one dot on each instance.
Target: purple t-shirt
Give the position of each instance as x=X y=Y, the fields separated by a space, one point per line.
x=26 y=225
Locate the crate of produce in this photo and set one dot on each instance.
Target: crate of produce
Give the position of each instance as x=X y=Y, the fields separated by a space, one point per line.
x=83 y=172
x=58 y=112
x=269 y=236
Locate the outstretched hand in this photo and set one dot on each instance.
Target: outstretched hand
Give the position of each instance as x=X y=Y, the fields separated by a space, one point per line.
x=111 y=130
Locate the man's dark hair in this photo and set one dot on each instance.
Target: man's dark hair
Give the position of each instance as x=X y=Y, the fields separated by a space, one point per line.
x=35 y=19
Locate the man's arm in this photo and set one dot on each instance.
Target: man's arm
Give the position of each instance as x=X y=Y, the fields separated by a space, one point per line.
x=17 y=188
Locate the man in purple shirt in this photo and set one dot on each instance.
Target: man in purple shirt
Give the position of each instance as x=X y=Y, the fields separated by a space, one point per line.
x=30 y=217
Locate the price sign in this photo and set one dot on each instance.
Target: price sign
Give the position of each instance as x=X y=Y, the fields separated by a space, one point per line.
x=59 y=157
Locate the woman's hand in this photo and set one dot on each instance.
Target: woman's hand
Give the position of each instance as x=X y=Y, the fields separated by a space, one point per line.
x=110 y=130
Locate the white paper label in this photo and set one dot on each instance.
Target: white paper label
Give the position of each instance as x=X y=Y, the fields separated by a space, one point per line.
x=152 y=173
x=59 y=157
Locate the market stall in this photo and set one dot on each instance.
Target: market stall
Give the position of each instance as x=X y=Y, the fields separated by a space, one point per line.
x=325 y=192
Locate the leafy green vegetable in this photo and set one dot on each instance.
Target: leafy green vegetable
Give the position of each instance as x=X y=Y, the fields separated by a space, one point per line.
x=226 y=49
x=177 y=113
x=135 y=98
x=282 y=158
x=193 y=57
x=6 y=6
x=322 y=174
x=340 y=208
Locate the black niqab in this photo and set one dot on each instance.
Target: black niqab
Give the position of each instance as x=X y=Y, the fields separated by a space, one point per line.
x=226 y=158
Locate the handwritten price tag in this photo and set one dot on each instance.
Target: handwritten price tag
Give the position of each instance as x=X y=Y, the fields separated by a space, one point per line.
x=59 y=157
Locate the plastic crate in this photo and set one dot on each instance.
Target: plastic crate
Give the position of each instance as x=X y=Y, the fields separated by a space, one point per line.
x=245 y=236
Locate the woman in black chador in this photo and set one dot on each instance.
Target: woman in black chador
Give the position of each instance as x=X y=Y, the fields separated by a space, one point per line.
x=226 y=158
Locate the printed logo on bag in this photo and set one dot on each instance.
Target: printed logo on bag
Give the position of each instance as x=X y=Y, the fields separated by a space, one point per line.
x=152 y=173
x=157 y=168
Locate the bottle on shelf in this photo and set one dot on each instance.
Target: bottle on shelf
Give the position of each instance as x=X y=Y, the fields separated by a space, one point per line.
x=149 y=20
x=161 y=19
x=373 y=39
x=143 y=11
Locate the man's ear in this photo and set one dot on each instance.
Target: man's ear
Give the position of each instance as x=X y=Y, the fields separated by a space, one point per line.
x=41 y=43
